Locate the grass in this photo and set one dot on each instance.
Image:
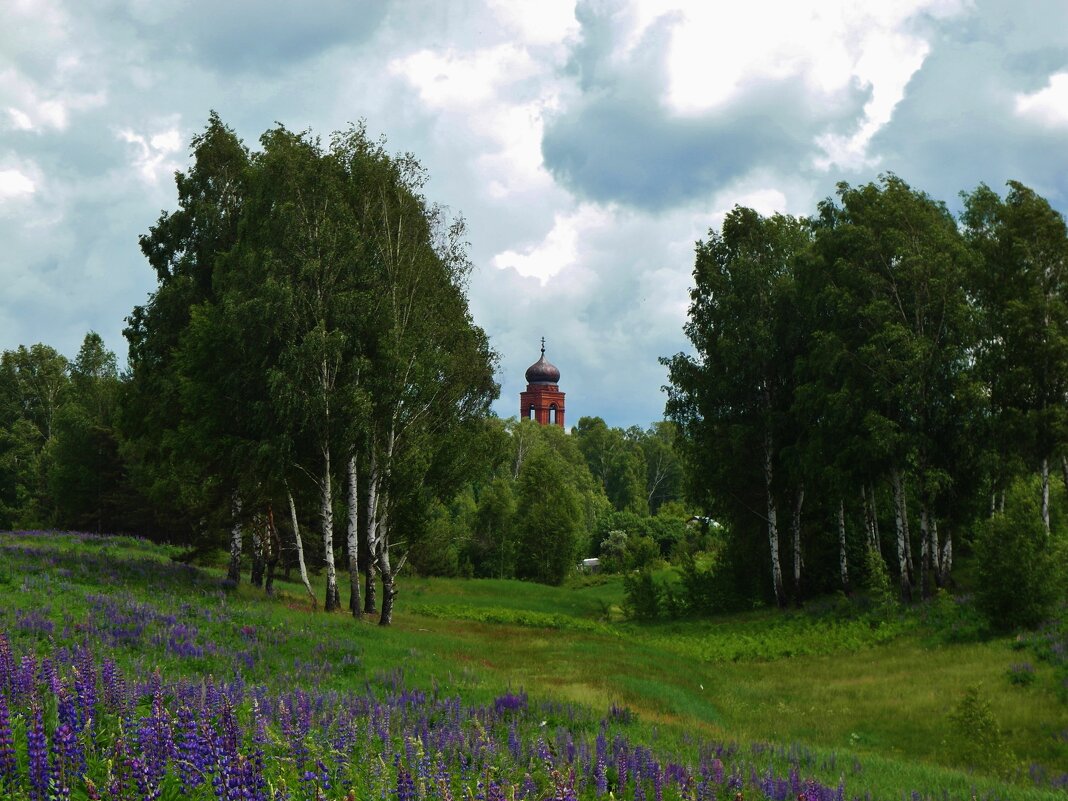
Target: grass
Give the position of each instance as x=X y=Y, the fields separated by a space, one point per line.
x=867 y=702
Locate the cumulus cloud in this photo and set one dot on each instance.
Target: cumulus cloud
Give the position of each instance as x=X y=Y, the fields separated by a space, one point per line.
x=153 y=155
x=1049 y=105
x=14 y=184
x=588 y=145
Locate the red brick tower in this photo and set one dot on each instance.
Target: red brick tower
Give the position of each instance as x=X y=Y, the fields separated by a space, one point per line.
x=543 y=401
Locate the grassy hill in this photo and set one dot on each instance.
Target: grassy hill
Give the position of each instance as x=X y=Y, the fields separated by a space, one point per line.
x=555 y=688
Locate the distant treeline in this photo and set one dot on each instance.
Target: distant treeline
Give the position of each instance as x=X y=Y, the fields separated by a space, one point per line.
x=874 y=380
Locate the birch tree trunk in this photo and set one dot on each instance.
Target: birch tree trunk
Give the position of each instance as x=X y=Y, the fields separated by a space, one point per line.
x=773 y=526
x=946 y=561
x=795 y=526
x=258 y=561
x=389 y=589
x=925 y=552
x=353 y=541
x=843 y=557
x=901 y=524
x=326 y=515
x=389 y=578
x=300 y=550
x=273 y=547
x=233 y=573
x=370 y=602
x=936 y=553
x=1045 y=493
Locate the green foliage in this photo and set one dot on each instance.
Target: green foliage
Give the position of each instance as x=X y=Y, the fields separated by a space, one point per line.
x=1017 y=581
x=978 y=740
x=643 y=597
x=613 y=551
x=877 y=582
x=548 y=519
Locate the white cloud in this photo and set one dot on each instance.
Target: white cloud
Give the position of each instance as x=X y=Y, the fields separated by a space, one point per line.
x=153 y=156
x=15 y=184
x=716 y=51
x=546 y=22
x=454 y=79
x=1049 y=105
x=559 y=249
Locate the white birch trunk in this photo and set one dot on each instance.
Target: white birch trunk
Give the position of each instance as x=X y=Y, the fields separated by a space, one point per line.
x=326 y=515
x=372 y=531
x=795 y=526
x=300 y=549
x=925 y=550
x=233 y=574
x=901 y=524
x=773 y=525
x=355 y=601
x=935 y=551
x=1045 y=493
x=946 y=560
x=389 y=584
x=843 y=557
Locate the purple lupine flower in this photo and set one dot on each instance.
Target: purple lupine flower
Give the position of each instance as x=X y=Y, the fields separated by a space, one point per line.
x=717 y=771
x=50 y=677
x=64 y=762
x=621 y=770
x=85 y=687
x=37 y=750
x=405 y=785
x=27 y=676
x=528 y=789
x=601 y=775
x=8 y=765
x=156 y=740
x=189 y=750
x=494 y=791
x=114 y=687
x=7 y=665
x=118 y=769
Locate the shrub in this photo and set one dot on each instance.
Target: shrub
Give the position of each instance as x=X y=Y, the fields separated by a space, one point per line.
x=878 y=582
x=1022 y=674
x=641 y=596
x=641 y=552
x=979 y=741
x=1017 y=584
x=613 y=551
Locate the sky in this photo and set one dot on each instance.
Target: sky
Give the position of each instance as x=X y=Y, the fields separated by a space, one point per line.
x=588 y=145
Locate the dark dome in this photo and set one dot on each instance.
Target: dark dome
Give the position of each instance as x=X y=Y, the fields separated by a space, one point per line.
x=543 y=372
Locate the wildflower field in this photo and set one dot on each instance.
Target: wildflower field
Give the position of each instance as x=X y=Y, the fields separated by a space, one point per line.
x=127 y=675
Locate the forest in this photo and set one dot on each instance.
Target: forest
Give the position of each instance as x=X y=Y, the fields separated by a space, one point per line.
x=872 y=391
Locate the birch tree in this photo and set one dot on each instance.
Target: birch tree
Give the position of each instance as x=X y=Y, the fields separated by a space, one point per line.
x=731 y=400
x=1020 y=284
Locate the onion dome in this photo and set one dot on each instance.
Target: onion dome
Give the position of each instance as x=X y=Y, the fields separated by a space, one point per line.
x=542 y=371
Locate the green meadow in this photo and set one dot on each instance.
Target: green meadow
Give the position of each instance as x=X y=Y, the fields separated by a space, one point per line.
x=869 y=701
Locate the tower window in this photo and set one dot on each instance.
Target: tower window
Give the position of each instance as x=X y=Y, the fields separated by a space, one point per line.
x=532 y=413
x=552 y=414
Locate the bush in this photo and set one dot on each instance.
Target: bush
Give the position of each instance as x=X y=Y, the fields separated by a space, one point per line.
x=880 y=595
x=1017 y=583
x=613 y=551
x=641 y=596
x=641 y=552
x=979 y=741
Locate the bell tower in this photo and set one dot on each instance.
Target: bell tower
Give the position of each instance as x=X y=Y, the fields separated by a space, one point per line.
x=543 y=401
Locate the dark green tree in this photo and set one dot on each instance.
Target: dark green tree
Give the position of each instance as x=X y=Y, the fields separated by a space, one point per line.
x=548 y=519
x=1020 y=286
x=731 y=400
